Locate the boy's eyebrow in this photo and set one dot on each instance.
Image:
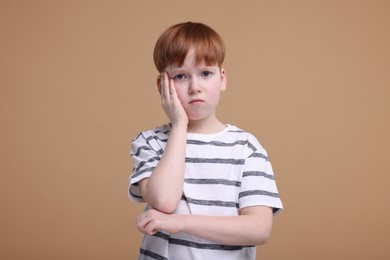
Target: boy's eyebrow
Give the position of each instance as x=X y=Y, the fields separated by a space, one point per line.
x=211 y=67
x=197 y=67
x=176 y=70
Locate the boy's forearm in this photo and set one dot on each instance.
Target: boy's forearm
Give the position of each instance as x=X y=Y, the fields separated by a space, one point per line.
x=252 y=227
x=164 y=188
x=237 y=230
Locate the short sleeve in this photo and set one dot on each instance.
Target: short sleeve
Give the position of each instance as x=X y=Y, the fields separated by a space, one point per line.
x=258 y=186
x=146 y=153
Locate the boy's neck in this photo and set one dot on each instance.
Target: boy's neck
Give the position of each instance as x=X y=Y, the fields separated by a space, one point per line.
x=202 y=127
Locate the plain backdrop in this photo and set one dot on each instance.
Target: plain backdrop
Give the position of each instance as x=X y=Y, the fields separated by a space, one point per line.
x=311 y=79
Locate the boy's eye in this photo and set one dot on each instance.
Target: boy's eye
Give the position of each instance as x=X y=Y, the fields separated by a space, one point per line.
x=206 y=74
x=180 y=76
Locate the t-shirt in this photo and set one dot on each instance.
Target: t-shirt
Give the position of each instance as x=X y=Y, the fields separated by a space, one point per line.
x=224 y=172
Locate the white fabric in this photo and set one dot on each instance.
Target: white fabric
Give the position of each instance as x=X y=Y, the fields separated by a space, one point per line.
x=224 y=173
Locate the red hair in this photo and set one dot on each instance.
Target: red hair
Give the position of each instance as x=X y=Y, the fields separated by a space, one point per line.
x=175 y=42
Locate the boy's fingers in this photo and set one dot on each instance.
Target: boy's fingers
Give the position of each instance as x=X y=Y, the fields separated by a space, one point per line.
x=162 y=89
x=142 y=220
x=172 y=90
x=165 y=86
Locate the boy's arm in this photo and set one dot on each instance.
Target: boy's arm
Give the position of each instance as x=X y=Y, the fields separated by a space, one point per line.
x=252 y=227
x=164 y=188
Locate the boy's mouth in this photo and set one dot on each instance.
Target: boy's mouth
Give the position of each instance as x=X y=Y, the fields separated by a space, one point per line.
x=196 y=101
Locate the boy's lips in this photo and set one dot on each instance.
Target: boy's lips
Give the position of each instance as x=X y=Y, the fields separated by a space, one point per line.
x=195 y=101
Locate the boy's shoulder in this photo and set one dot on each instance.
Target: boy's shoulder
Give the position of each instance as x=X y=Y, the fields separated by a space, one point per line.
x=161 y=130
x=246 y=136
x=241 y=132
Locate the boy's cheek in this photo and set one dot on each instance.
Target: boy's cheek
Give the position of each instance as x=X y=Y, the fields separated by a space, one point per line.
x=181 y=100
x=179 y=92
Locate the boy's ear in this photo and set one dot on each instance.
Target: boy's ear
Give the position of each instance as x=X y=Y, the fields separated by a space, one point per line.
x=223 y=79
x=158 y=82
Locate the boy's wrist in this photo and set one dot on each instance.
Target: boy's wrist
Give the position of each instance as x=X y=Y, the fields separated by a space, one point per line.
x=179 y=223
x=179 y=126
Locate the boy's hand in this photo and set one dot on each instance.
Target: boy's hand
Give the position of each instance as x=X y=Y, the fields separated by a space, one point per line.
x=150 y=221
x=170 y=101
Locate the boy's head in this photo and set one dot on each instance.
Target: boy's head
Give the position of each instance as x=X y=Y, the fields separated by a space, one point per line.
x=174 y=44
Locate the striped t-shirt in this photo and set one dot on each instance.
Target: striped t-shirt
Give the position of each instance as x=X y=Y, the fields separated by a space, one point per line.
x=224 y=172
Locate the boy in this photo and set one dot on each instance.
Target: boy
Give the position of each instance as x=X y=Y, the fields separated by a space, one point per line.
x=209 y=187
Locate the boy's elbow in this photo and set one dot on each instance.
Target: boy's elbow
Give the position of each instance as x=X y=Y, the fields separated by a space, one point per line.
x=262 y=239
x=166 y=205
x=260 y=225
x=162 y=202
x=262 y=234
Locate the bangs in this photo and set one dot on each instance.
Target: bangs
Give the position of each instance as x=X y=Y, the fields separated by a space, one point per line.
x=174 y=44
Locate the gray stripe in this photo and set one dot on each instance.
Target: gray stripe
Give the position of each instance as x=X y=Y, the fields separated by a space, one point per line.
x=162 y=235
x=162 y=132
x=257 y=174
x=144 y=147
x=251 y=146
x=259 y=155
x=187 y=243
x=156 y=158
x=156 y=138
x=216 y=143
x=236 y=131
x=258 y=192
x=135 y=195
x=150 y=169
x=213 y=181
x=152 y=254
x=215 y=160
x=218 y=203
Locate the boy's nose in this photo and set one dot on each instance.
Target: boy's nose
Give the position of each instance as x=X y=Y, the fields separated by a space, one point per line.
x=194 y=87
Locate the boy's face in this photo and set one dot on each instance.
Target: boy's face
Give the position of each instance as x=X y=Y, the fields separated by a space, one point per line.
x=198 y=86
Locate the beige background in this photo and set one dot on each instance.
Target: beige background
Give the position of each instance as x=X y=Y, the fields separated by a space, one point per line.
x=311 y=79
